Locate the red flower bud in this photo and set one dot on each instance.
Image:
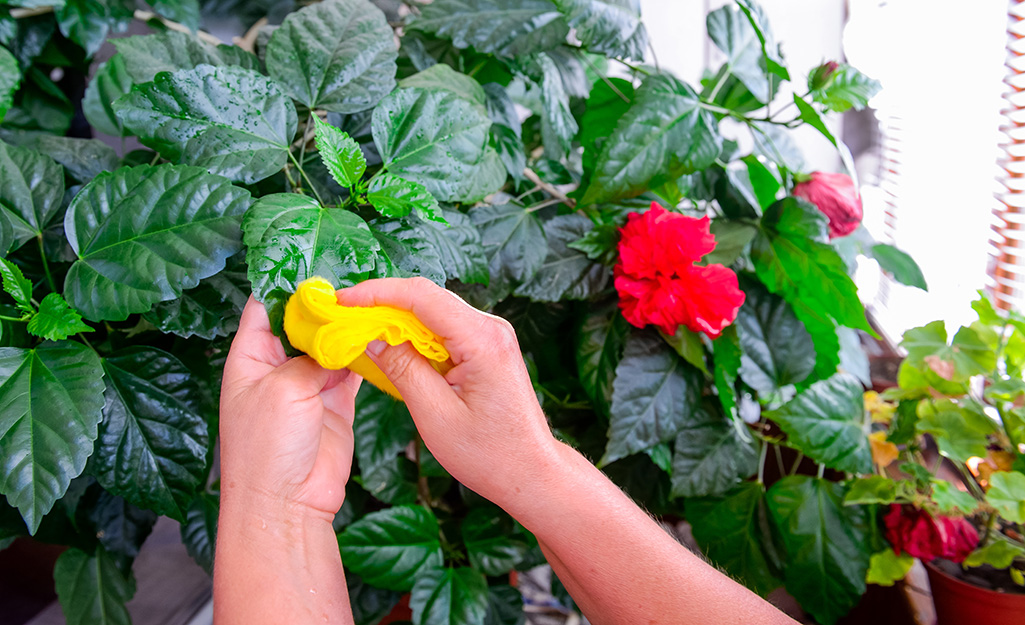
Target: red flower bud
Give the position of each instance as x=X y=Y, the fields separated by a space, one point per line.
x=822 y=75
x=836 y=196
x=920 y=535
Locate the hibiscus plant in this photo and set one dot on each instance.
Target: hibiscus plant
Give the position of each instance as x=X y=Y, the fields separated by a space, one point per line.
x=967 y=393
x=682 y=308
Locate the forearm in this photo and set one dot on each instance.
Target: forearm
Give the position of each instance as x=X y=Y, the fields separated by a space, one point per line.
x=274 y=567
x=618 y=564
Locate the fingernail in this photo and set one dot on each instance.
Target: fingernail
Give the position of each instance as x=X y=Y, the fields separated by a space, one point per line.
x=374 y=348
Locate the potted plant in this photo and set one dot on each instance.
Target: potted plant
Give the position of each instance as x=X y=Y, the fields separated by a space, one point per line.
x=962 y=513
x=491 y=152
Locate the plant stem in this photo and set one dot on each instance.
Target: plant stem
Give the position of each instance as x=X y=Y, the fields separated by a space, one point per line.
x=989 y=527
x=797 y=463
x=632 y=67
x=970 y=479
x=545 y=203
x=761 y=462
x=718 y=86
x=46 y=265
x=532 y=176
x=6 y=318
x=156 y=157
x=305 y=177
x=605 y=79
x=821 y=472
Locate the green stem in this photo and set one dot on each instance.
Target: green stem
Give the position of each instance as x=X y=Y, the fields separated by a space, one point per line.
x=605 y=79
x=477 y=67
x=822 y=471
x=306 y=134
x=761 y=463
x=305 y=177
x=632 y=67
x=970 y=479
x=17 y=319
x=797 y=463
x=718 y=86
x=989 y=528
x=156 y=157
x=46 y=265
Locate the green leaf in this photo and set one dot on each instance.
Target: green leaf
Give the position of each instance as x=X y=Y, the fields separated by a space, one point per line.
x=1007 y=494
x=394 y=481
x=337 y=55
x=146 y=56
x=447 y=596
x=83 y=158
x=442 y=77
x=340 y=153
x=395 y=197
x=810 y=116
x=609 y=27
x=606 y=104
x=10 y=78
x=145 y=234
x=514 y=241
x=439 y=140
x=392 y=548
x=776 y=144
x=776 y=349
x=599 y=345
x=118 y=525
x=689 y=346
x=710 y=455
x=404 y=253
x=825 y=335
x=998 y=554
x=209 y=310
x=40 y=105
x=17 y=286
x=199 y=531
x=871 y=489
x=230 y=120
x=731 y=240
x=491 y=542
x=886 y=567
x=791 y=257
x=764 y=182
x=727 y=358
x=733 y=32
x=382 y=427
x=455 y=249
x=959 y=433
x=153 y=439
x=31 y=190
x=825 y=545
x=53 y=398
x=505 y=606
x=290 y=238
x=91 y=588
x=927 y=348
x=897 y=263
x=733 y=533
x=654 y=396
x=110 y=82
x=773 y=56
x=827 y=423
x=185 y=12
x=87 y=22
x=558 y=127
x=56 y=320
x=566 y=273
x=506 y=28
x=369 y=604
x=950 y=500
x=506 y=130
x=846 y=88
x=664 y=134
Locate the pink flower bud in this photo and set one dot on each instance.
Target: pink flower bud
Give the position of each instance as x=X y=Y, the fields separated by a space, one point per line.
x=822 y=75
x=837 y=198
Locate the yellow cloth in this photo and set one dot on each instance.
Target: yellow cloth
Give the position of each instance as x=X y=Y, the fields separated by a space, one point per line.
x=336 y=336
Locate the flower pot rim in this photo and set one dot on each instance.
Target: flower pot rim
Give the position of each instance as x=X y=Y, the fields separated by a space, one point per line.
x=966 y=588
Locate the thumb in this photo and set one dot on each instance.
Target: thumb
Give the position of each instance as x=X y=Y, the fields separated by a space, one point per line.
x=410 y=372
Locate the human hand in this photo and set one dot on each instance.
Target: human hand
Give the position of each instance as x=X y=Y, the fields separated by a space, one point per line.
x=286 y=424
x=481 y=420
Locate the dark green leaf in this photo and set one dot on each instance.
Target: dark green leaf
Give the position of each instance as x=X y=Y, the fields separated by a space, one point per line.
x=17 y=286
x=654 y=396
x=871 y=489
x=369 y=604
x=210 y=310
x=31 y=189
x=566 y=273
x=444 y=78
x=393 y=547
x=491 y=542
x=396 y=197
x=506 y=28
x=606 y=104
x=505 y=606
x=10 y=78
x=846 y=88
x=56 y=320
x=118 y=525
x=147 y=55
x=733 y=32
x=853 y=358
x=903 y=268
x=393 y=481
x=611 y=27
x=110 y=82
x=711 y=455
x=599 y=243
x=382 y=428
x=337 y=55
x=514 y=242
x=774 y=143
x=340 y=153
x=152 y=444
x=87 y=22
x=40 y=105
x=447 y=596
x=91 y=588
x=230 y=120
x=727 y=360
x=731 y=239
x=689 y=346
x=290 y=238
x=436 y=250
x=440 y=140
x=776 y=349
x=404 y=253
x=199 y=531
x=145 y=234
x=733 y=532
x=557 y=124
x=827 y=423
x=53 y=398
x=764 y=183
x=185 y=12
x=664 y=134
x=827 y=555
x=810 y=116
x=600 y=341
x=83 y=158
x=824 y=334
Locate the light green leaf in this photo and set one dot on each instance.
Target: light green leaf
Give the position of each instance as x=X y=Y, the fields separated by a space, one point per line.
x=110 y=82
x=382 y=428
x=558 y=127
x=968 y=354
x=442 y=77
x=146 y=56
x=776 y=349
x=871 y=489
x=810 y=116
x=886 y=567
x=599 y=345
x=710 y=456
x=145 y=234
x=87 y=22
x=665 y=134
x=514 y=242
x=897 y=263
x=153 y=439
x=340 y=153
x=827 y=423
x=1007 y=494
x=727 y=358
x=83 y=158
x=951 y=500
x=395 y=197
x=846 y=88
x=447 y=596
x=290 y=238
x=92 y=589
x=31 y=190
x=506 y=28
x=565 y=273
x=56 y=320
x=10 y=78
x=958 y=433
x=998 y=554
x=201 y=117
x=492 y=544
x=17 y=286
x=52 y=397
x=689 y=346
x=337 y=55
x=392 y=548
x=610 y=27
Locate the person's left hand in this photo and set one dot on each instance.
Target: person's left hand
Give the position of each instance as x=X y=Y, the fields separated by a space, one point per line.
x=286 y=424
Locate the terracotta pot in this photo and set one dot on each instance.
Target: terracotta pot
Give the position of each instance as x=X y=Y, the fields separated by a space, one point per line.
x=958 y=602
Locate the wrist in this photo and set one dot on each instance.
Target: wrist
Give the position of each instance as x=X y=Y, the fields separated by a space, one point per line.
x=240 y=502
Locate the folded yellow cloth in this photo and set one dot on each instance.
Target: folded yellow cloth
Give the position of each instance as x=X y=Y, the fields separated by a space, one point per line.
x=336 y=336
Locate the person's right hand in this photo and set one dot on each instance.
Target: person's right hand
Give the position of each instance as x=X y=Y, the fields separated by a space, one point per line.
x=481 y=420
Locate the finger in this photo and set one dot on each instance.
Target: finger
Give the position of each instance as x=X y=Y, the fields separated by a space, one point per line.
x=255 y=351
x=412 y=375
x=301 y=378
x=339 y=395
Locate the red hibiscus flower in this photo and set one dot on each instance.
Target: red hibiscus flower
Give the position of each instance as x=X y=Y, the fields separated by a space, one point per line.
x=658 y=282
x=923 y=536
x=836 y=197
